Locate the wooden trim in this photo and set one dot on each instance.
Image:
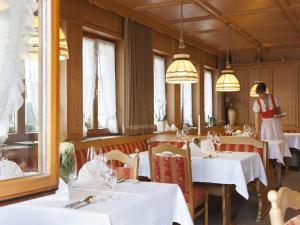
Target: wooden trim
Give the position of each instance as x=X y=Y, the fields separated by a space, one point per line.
x=266 y=63
x=30 y=185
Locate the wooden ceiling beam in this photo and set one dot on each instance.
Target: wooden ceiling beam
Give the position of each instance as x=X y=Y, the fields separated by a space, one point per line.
x=213 y=11
x=253 y=11
x=288 y=15
x=192 y=19
x=159 y=4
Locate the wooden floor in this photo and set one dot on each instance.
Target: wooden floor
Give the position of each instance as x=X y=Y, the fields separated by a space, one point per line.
x=243 y=211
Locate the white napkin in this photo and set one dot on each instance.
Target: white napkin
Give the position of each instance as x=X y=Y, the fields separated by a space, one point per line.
x=173 y=127
x=9 y=169
x=195 y=149
x=168 y=128
x=85 y=174
x=207 y=147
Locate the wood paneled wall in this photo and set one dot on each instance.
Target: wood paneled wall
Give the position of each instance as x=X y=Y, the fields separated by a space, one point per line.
x=282 y=79
x=79 y=16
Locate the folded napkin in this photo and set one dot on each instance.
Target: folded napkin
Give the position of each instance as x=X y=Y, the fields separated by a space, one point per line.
x=207 y=147
x=9 y=169
x=62 y=193
x=195 y=149
x=87 y=168
x=173 y=127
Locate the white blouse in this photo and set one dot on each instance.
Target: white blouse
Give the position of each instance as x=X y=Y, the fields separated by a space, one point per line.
x=256 y=107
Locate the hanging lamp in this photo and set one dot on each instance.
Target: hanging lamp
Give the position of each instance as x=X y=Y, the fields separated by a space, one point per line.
x=4 y=4
x=181 y=70
x=227 y=82
x=34 y=42
x=253 y=89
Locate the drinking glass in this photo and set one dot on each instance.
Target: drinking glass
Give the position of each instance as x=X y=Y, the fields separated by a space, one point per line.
x=92 y=163
x=218 y=141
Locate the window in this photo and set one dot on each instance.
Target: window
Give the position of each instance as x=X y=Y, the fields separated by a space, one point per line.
x=25 y=121
x=186 y=103
x=99 y=86
x=159 y=89
x=208 y=95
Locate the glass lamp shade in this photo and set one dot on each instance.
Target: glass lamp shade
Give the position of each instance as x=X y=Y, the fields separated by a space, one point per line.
x=253 y=89
x=227 y=82
x=4 y=4
x=181 y=70
x=34 y=42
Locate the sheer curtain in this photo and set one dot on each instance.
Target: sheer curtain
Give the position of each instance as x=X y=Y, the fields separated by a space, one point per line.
x=32 y=93
x=107 y=117
x=208 y=95
x=89 y=81
x=159 y=88
x=186 y=103
x=16 y=25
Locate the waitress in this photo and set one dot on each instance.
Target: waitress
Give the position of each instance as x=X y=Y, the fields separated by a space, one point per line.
x=267 y=107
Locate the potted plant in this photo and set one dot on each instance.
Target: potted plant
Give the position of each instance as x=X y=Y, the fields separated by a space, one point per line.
x=67 y=166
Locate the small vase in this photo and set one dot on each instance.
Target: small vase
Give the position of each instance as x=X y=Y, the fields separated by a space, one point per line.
x=231 y=116
x=68 y=168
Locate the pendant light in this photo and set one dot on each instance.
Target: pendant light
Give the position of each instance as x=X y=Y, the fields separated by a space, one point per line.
x=253 y=89
x=34 y=42
x=227 y=82
x=181 y=70
x=4 y=4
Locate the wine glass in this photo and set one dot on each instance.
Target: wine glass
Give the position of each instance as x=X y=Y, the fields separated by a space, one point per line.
x=92 y=163
x=210 y=135
x=218 y=141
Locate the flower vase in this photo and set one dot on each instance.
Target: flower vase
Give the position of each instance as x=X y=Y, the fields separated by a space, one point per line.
x=68 y=168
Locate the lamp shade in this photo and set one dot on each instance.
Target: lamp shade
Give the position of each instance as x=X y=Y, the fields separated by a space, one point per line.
x=34 y=42
x=4 y=4
x=253 y=89
x=181 y=71
x=227 y=82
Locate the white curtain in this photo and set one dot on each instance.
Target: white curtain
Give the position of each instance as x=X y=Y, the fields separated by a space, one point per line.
x=32 y=93
x=107 y=86
x=186 y=103
x=159 y=88
x=16 y=25
x=89 y=78
x=208 y=95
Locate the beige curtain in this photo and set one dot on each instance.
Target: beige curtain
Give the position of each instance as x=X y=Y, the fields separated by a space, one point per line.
x=138 y=79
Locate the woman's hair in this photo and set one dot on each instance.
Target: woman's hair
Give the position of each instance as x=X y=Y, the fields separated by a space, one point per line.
x=261 y=88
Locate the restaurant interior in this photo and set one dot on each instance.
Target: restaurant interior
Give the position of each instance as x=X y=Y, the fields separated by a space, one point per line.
x=149 y=112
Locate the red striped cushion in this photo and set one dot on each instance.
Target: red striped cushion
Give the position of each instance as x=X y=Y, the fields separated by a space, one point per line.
x=176 y=143
x=242 y=148
x=294 y=221
x=127 y=148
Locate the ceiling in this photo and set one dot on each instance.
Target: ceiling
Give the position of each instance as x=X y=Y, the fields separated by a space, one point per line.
x=249 y=25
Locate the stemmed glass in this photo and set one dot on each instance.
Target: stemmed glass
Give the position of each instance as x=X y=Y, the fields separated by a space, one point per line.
x=93 y=163
x=228 y=129
x=217 y=141
x=210 y=136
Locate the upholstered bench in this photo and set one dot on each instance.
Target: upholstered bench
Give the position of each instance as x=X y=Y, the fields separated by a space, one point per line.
x=242 y=148
x=127 y=148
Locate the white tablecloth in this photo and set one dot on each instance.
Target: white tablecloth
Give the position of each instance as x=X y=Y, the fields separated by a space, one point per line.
x=238 y=168
x=292 y=140
x=143 y=203
x=277 y=150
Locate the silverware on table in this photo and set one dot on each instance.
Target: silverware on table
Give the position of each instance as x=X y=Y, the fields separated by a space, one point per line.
x=88 y=199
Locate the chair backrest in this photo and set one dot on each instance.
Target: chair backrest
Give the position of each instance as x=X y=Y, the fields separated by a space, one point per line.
x=131 y=171
x=280 y=201
x=174 y=167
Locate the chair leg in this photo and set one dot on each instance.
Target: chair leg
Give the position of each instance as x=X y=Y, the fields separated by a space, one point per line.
x=206 y=209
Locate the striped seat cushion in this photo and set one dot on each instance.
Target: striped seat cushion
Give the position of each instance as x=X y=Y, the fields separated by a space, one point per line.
x=176 y=143
x=294 y=221
x=127 y=148
x=242 y=148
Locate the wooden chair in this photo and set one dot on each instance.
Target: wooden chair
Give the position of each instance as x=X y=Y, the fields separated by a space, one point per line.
x=132 y=164
x=176 y=168
x=280 y=201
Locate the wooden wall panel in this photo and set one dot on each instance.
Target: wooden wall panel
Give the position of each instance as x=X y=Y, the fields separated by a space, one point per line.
x=282 y=79
x=285 y=88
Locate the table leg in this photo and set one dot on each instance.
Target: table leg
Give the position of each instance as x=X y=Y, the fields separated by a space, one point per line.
x=263 y=203
x=226 y=204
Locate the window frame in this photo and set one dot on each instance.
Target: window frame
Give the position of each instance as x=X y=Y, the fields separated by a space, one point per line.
x=212 y=89
x=96 y=131
x=25 y=186
x=165 y=63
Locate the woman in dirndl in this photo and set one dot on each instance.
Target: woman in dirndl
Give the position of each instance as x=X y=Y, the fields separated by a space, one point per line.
x=267 y=125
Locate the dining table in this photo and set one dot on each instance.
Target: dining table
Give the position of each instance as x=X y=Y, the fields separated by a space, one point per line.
x=128 y=203
x=228 y=170
x=292 y=140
